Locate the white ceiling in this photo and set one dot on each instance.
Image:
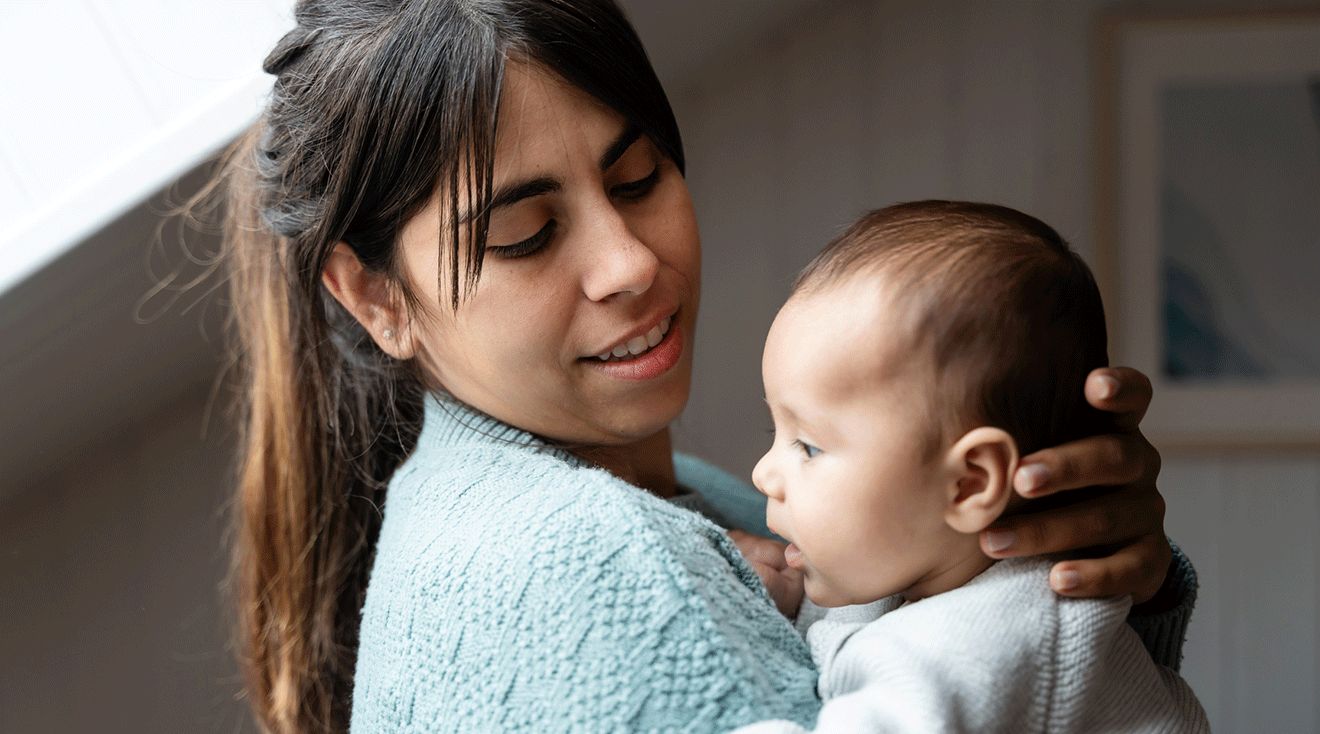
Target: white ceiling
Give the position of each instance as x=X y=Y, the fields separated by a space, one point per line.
x=104 y=102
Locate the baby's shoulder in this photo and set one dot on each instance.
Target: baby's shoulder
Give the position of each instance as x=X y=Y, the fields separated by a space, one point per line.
x=1008 y=614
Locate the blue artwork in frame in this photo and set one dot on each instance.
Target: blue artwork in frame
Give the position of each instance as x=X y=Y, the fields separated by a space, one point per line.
x=1240 y=239
x=1211 y=190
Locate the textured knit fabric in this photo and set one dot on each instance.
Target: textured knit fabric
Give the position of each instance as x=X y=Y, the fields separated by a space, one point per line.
x=518 y=588
x=1002 y=653
x=1163 y=633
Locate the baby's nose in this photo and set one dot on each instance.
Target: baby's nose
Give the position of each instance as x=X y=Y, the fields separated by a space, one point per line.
x=765 y=478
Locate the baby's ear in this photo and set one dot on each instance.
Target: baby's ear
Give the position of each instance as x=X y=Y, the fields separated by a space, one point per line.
x=980 y=471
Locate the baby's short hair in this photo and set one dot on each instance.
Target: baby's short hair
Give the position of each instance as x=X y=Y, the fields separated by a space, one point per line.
x=1006 y=316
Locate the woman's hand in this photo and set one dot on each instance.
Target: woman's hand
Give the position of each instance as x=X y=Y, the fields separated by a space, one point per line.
x=1121 y=511
x=767 y=557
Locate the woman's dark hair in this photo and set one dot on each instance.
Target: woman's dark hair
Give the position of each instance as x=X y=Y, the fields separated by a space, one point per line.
x=377 y=106
x=1005 y=315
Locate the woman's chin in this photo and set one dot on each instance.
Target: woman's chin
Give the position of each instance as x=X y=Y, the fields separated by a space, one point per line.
x=646 y=413
x=643 y=424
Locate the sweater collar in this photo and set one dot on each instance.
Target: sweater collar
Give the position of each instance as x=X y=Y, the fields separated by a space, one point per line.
x=451 y=423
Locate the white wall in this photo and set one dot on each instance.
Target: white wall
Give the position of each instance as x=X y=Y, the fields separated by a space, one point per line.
x=870 y=103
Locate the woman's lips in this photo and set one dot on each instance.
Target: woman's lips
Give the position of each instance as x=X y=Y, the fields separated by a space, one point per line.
x=638 y=345
x=648 y=365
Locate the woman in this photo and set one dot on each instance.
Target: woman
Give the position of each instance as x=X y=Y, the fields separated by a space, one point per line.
x=460 y=237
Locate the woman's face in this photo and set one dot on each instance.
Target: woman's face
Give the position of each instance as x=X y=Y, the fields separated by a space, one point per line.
x=592 y=250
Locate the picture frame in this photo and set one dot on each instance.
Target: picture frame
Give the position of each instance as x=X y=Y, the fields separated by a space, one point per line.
x=1209 y=222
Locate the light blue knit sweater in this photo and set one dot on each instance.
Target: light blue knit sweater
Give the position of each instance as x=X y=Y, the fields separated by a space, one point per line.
x=519 y=588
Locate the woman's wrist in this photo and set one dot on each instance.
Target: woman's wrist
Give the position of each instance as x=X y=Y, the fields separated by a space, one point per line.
x=1161 y=622
x=1178 y=589
x=1168 y=597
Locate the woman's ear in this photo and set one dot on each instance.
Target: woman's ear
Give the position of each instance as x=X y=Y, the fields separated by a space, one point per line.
x=370 y=299
x=981 y=466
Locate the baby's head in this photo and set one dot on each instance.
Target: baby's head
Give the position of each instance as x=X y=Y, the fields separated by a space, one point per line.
x=919 y=356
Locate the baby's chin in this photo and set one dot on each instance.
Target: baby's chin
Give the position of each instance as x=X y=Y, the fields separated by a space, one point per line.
x=823 y=595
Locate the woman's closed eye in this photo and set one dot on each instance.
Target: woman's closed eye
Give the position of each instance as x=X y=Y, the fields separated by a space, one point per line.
x=637 y=189
x=529 y=246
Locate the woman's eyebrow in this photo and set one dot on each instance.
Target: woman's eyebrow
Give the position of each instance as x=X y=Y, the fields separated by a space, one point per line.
x=620 y=145
x=515 y=191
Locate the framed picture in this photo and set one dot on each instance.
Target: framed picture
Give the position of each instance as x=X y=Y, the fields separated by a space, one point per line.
x=1210 y=222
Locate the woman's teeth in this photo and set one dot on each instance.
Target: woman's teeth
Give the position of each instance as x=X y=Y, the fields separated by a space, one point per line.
x=638 y=344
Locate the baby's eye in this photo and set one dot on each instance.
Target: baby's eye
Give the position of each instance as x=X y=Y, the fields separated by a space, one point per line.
x=808 y=449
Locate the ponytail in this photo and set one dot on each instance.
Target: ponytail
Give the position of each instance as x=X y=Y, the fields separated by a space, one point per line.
x=324 y=424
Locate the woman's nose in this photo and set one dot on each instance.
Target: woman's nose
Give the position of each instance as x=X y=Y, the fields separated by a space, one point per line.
x=765 y=479
x=620 y=262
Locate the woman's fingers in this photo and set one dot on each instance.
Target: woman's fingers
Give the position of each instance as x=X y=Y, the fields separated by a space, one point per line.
x=784 y=584
x=1138 y=568
x=1110 y=505
x=1108 y=460
x=1128 y=523
x=759 y=550
x=1114 y=517
x=1122 y=391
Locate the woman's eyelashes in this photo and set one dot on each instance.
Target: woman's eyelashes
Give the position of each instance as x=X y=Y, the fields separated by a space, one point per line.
x=630 y=191
x=639 y=188
x=529 y=246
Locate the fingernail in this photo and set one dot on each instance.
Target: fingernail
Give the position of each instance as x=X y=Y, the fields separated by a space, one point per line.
x=1030 y=477
x=1108 y=387
x=1067 y=580
x=997 y=540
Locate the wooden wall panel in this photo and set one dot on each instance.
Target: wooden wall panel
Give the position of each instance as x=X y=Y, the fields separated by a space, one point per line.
x=1194 y=491
x=1268 y=604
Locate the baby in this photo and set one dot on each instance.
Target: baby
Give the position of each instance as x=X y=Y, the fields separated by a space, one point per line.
x=918 y=358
